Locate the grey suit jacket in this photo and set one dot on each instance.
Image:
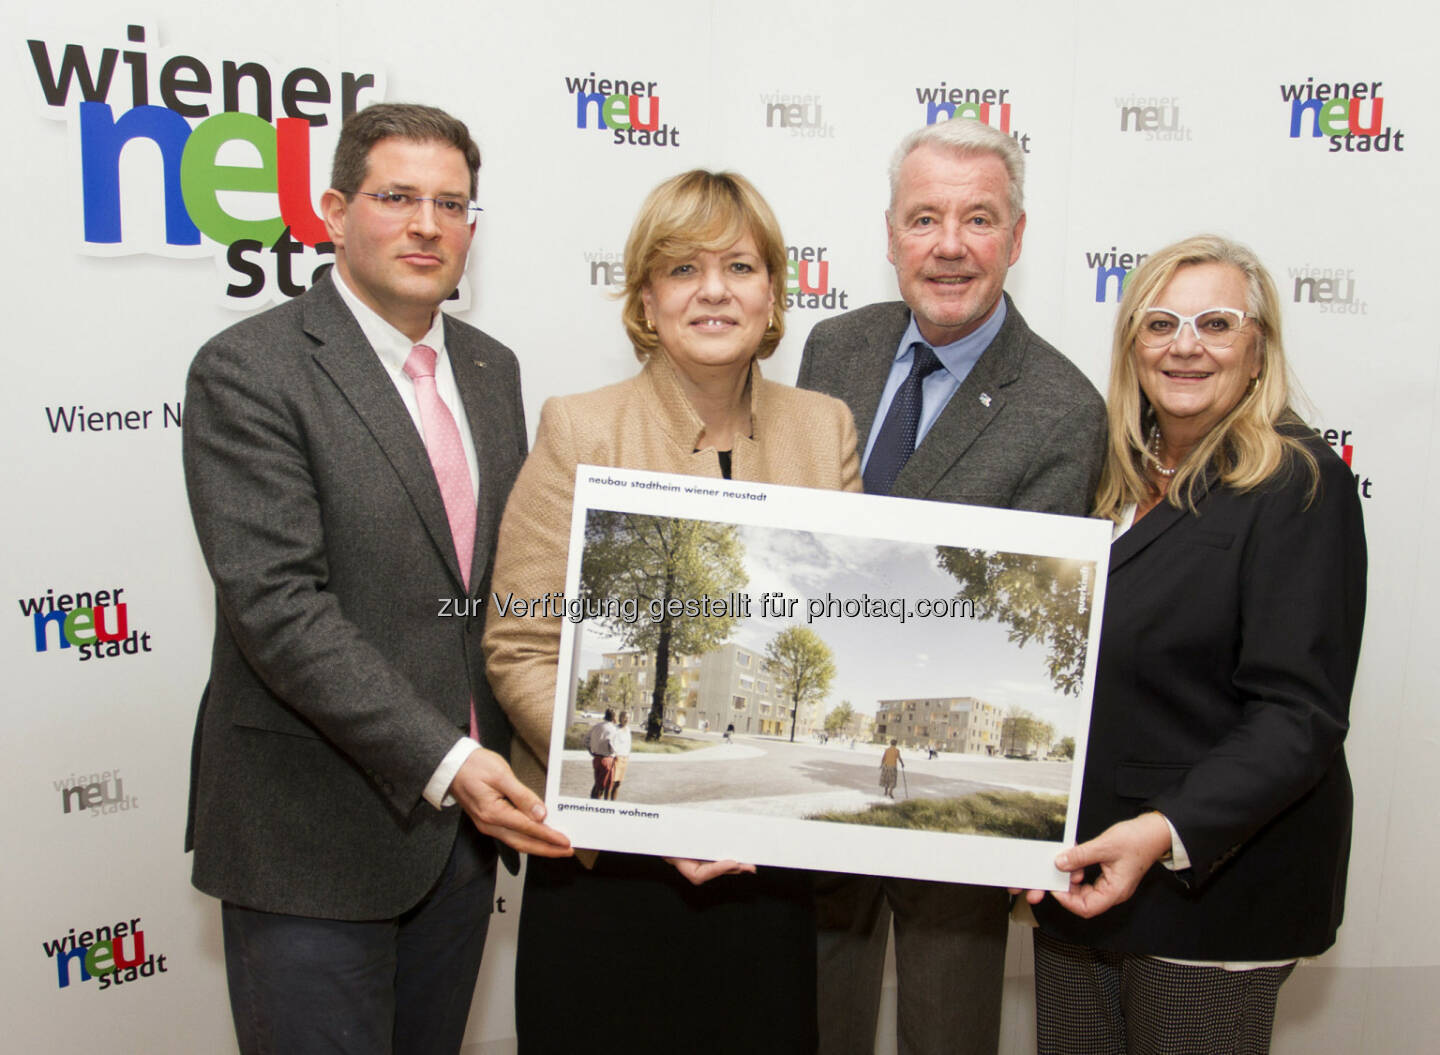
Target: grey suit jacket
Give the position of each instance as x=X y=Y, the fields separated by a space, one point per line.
x=1026 y=429
x=335 y=687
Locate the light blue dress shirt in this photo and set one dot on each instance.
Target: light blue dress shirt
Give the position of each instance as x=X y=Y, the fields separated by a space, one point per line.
x=958 y=359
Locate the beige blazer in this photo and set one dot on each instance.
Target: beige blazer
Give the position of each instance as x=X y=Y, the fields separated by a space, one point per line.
x=800 y=438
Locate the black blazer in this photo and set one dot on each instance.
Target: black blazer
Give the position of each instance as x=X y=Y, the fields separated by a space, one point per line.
x=1222 y=695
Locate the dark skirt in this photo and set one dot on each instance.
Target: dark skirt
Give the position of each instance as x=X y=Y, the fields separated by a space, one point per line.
x=630 y=957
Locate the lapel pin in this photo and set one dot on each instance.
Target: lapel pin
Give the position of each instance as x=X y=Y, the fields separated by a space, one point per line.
x=985 y=399
x=478 y=362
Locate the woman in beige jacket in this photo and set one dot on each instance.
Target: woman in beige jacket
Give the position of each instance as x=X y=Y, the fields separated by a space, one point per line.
x=705 y=273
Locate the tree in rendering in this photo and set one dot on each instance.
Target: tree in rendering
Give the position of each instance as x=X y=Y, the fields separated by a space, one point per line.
x=1021 y=731
x=839 y=717
x=801 y=667
x=640 y=571
x=1044 y=599
x=587 y=693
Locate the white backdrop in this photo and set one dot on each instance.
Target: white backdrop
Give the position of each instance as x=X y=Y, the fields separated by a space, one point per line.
x=111 y=327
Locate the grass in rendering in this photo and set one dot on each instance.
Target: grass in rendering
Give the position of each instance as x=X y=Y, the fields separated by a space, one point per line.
x=1014 y=814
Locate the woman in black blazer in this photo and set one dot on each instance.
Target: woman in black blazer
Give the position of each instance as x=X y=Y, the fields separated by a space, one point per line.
x=1215 y=816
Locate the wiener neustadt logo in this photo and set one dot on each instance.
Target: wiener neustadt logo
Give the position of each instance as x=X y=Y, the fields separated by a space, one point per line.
x=988 y=105
x=112 y=954
x=1155 y=118
x=606 y=267
x=1330 y=289
x=1112 y=270
x=1340 y=440
x=1350 y=114
x=628 y=110
x=95 y=794
x=808 y=283
x=799 y=114
x=95 y=623
x=217 y=153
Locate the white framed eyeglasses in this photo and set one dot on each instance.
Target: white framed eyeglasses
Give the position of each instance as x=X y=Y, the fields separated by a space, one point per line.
x=1213 y=327
x=402 y=206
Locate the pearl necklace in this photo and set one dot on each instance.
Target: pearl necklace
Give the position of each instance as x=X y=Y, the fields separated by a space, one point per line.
x=1153 y=450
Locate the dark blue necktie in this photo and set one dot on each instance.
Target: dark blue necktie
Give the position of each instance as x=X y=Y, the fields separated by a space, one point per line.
x=896 y=440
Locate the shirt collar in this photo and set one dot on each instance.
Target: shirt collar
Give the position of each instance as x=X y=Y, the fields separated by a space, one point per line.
x=958 y=357
x=392 y=346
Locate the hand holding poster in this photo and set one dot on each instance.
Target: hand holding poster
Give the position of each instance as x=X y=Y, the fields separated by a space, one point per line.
x=823 y=680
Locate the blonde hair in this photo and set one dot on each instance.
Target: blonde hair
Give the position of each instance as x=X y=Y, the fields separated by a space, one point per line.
x=690 y=213
x=1246 y=447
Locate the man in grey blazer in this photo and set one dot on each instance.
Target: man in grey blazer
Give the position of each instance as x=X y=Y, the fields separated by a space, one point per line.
x=955 y=400
x=348 y=745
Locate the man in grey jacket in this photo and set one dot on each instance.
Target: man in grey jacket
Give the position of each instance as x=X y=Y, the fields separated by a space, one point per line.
x=955 y=400
x=347 y=457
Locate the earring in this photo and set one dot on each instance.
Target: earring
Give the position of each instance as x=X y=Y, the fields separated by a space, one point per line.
x=650 y=324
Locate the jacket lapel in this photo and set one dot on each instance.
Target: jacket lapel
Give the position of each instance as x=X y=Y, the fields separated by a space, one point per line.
x=1154 y=524
x=867 y=363
x=351 y=364
x=1150 y=527
x=468 y=365
x=677 y=419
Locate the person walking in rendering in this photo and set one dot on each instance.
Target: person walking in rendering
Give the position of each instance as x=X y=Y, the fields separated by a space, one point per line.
x=890 y=763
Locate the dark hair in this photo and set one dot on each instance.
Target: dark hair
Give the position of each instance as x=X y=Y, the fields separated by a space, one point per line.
x=420 y=124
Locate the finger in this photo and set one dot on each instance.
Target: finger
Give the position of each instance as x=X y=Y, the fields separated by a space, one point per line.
x=1067 y=900
x=733 y=867
x=705 y=871
x=1077 y=858
x=1075 y=901
x=686 y=867
x=1035 y=896
x=1089 y=901
x=504 y=815
x=699 y=872
x=498 y=813
x=524 y=843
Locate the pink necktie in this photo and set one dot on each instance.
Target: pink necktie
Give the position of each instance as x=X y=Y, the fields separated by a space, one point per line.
x=447 y=458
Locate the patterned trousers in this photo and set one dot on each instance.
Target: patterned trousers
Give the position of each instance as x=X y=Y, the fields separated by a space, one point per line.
x=1094 y=1002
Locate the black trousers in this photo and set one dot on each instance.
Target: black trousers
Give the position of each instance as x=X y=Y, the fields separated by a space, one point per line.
x=399 y=986
x=630 y=957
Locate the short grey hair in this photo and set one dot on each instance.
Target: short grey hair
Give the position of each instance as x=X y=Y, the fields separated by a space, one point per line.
x=966 y=137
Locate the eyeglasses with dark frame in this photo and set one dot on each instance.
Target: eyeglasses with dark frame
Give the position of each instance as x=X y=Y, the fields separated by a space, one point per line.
x=402 y=206
x=1213 y=327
